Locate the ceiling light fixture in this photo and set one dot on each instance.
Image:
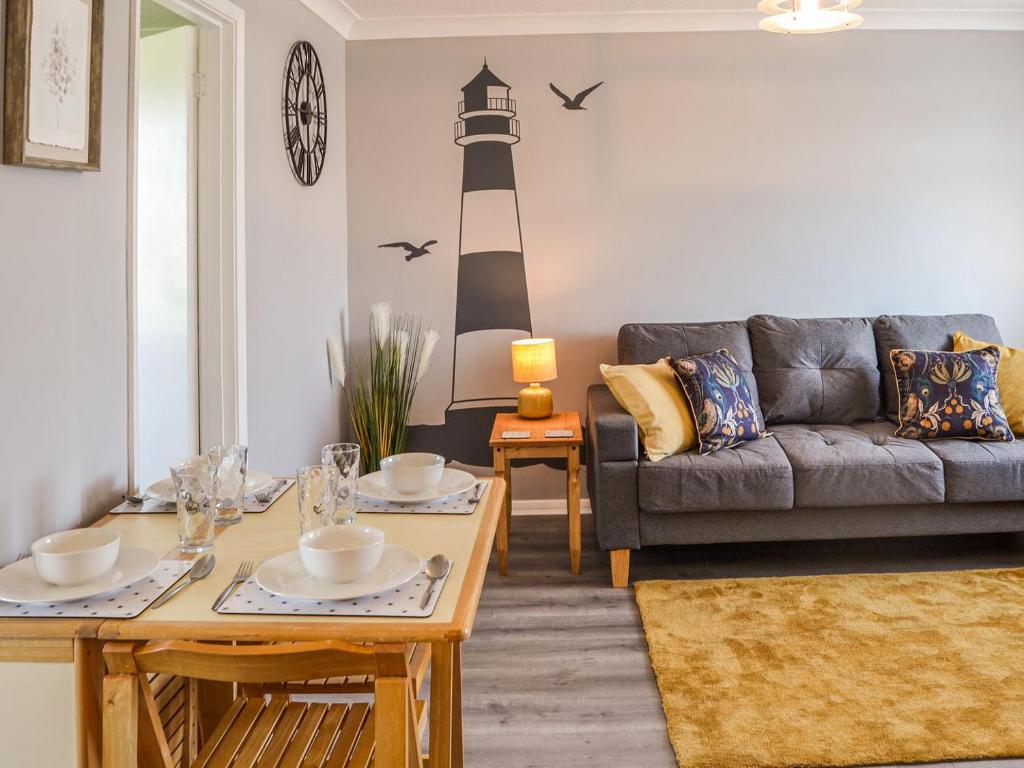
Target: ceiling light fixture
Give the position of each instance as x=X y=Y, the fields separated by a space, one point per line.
x=808 y=17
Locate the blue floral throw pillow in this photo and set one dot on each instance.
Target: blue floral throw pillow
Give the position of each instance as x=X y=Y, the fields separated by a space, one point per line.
x=949 y=394
x=722 y=407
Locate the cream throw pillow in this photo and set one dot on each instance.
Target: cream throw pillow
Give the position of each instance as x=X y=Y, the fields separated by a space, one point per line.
x=653 y=397
x=1009 y=377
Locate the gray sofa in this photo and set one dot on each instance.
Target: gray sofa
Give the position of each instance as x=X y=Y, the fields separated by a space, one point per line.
x=832 y=469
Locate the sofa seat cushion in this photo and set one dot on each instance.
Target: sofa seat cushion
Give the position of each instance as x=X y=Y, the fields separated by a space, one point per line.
x=859 y=465
x=753 y=475
x=821 y=371
x=981 y=471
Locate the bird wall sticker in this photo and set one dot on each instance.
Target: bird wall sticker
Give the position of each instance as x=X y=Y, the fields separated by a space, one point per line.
x=577 y=102
x=412 y=251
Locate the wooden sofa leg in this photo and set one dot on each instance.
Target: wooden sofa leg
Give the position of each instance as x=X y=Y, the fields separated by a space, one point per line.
x=620 y=567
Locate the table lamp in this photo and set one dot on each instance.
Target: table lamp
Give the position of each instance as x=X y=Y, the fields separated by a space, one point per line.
x=533 y=361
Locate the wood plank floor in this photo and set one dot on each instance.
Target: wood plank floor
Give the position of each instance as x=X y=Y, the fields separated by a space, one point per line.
x=557 y=675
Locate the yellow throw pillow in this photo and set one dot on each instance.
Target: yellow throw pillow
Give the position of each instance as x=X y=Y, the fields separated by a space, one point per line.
x=653 y=397
x=1009 y=377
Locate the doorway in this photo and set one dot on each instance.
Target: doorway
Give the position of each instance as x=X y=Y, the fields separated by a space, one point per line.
x=186 y=243
x=167 y=287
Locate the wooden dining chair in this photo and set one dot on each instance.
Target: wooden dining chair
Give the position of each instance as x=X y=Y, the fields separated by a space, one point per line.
x=418 y=655
x=260 y=731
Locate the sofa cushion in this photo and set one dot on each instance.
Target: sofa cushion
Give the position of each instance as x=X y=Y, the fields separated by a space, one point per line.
x=719 y=399
x=859 y=465
x=754 y=475
x=649 y=342
x=981 y=471
x=932 y=332
x=821 y=371
x=1010 y=377
x=653 y=397
x=949 y=394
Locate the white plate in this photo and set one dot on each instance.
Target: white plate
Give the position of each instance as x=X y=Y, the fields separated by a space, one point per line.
x=285 y=576
x=453 y=481
x=19 y=582
x=163 y=490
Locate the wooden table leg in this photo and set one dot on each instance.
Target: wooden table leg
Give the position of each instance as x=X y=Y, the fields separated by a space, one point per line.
x=440 y=744
x=572 y=497
x=457 y=747
x=89 y=671
x=503 y=469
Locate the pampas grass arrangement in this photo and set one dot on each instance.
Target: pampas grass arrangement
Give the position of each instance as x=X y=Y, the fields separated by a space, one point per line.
x=380 y=397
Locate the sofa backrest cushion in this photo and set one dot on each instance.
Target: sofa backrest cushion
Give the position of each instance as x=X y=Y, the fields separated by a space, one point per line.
x=649 y=342
x=818 y=371
x=922 y=332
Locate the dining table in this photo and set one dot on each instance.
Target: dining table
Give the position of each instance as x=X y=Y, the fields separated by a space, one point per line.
x=51 y=669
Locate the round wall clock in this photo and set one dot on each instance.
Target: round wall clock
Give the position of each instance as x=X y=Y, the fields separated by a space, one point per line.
x=305 y=113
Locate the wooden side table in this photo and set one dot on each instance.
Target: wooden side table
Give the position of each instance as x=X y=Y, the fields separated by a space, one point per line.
x=537 y=446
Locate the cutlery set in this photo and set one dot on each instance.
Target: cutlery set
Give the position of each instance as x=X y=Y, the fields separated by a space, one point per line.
x=437 y=568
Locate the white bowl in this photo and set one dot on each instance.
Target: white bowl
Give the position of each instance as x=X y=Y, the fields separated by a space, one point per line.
x=341 y=553
x=75 y=557
x=412 y=472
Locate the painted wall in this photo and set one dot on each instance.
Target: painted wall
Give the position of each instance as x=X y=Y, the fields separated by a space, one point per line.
x=711 y=176
x=297 y=247
x=63 y=393
x=63 y=441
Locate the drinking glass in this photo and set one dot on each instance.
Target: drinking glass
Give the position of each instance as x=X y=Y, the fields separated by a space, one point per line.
x=195 y=485
x=229 y=463
x=344 y=456
x=318 y=497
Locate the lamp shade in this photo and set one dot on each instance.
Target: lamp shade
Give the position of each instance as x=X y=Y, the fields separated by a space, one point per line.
x=533 y=360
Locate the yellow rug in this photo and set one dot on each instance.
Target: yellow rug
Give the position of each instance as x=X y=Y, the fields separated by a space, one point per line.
x=839 y=670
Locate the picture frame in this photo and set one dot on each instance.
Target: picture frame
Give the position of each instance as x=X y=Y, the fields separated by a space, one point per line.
x=53 y=82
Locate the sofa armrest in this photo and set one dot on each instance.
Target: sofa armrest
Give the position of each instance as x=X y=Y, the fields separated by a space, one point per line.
x=613 y=430
x=613 y=453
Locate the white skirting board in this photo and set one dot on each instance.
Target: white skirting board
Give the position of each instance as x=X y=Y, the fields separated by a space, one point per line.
x=545 y=506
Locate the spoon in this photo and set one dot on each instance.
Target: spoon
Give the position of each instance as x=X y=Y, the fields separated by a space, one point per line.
x=437 y=568
x=202 y=569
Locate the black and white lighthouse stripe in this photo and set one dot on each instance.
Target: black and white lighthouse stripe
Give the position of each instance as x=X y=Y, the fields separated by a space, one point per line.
x=492 y=303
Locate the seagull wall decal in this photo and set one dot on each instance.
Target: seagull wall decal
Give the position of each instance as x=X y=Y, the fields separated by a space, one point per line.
x=577 y=102
x=413 y=251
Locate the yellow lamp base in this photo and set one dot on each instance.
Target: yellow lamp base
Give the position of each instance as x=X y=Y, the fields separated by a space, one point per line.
x=535 y=402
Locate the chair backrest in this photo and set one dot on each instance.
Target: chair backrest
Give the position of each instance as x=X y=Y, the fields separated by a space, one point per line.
x=262 y=663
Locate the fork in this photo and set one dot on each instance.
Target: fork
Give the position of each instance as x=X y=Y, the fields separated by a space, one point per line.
x=265 y=496
x=243 y=573
x=21 y=557
x=477 y=492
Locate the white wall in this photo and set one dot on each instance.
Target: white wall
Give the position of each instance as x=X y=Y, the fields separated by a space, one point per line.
x=63 y=442
x=63 y=392
x=297 y=247
x=712 y=176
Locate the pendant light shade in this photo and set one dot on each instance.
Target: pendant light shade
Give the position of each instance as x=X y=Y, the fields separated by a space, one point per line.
x=808 y=17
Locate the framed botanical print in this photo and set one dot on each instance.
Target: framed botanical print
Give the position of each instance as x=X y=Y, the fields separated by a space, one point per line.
x=53 y=83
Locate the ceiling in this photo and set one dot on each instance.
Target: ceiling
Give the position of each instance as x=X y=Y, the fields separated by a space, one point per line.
x=384 y=19
x=405 y=9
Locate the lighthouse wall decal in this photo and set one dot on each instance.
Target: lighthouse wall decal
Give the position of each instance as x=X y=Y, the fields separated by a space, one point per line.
x=492 y=306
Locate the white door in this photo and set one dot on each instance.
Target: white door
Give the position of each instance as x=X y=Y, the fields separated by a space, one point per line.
x=166 y=288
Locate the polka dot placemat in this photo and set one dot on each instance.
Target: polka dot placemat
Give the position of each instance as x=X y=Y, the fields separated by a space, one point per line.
x=401 y=602
x=464 y=503
x=124 y=603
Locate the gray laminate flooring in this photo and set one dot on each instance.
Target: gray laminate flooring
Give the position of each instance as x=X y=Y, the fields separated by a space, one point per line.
x=556 y=674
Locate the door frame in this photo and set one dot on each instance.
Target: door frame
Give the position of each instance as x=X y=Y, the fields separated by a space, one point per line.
x=220 y=226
